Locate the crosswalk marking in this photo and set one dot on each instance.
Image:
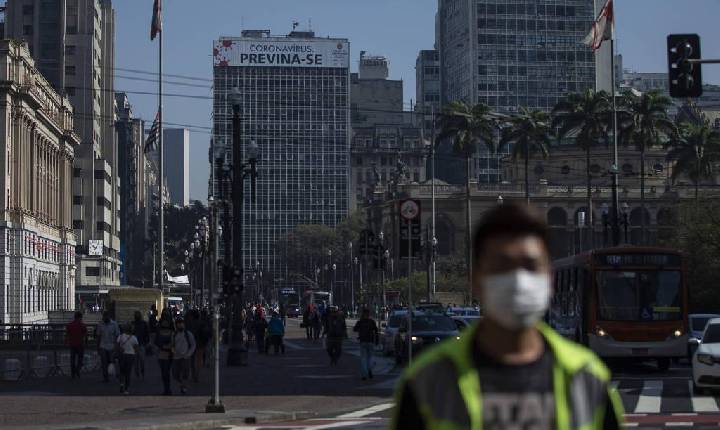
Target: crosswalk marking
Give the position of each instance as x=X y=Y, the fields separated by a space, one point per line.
x=368 y=411
x=703 y=403
x=650 y=398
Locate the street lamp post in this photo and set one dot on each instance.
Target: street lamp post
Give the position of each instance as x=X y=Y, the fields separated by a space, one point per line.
x=581 y=225
x=381 y=236
x=352 y=286
x=215 y=405
x=352 y=280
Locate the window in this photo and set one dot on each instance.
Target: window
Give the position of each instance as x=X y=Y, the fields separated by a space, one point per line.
x=27 y=30
x=92 y=271
x=78 y=200
x=70 y=70
x=78 y=224
x=77 y=172
x=28 y=9
x=70 y=49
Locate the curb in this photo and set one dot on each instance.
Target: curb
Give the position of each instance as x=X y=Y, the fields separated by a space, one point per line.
x=179 y=422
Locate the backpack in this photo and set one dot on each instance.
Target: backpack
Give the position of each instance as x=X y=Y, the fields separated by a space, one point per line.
x=336 y=328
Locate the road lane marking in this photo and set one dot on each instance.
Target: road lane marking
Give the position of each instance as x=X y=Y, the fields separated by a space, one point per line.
x=368 y=411
x=679 y=424
x=650 y=398
x=702 y=403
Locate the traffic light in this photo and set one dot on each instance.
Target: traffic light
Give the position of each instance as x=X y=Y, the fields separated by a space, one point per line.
x=685 y=77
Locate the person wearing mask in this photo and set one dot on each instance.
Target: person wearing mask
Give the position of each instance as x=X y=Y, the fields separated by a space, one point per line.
x=183 y=349
x=76 y=334
x=127 y=346
x=141 y=330
x=276 y=330
x=509 y=370
x=260 y=325
x=106 y=332
x=336 y=332
x=164 y=344
x=367 y=331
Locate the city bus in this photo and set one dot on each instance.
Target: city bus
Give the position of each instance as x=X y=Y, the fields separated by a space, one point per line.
x=317 y=298
x=290 y=300
x=623 y=302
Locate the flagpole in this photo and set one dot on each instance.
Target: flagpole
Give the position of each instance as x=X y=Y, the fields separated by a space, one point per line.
x=160 y=148
x=614 y=169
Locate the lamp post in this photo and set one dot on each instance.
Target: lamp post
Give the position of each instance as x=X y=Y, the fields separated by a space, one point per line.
x=381 y=237
x=581 y=224
x=352 y=280
x=215 y=405
x=624 y=221
x=386 y=256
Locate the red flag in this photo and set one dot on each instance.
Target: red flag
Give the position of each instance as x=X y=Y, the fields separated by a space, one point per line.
x=600 y=29
x=156 y=24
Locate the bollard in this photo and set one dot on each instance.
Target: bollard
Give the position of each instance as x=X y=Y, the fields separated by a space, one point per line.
x=12 y=370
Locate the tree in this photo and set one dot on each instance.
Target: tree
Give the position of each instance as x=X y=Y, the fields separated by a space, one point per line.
x=585 y=117
x=526 y=133
x=644 y=123
x=695 y=151
x=469 y=128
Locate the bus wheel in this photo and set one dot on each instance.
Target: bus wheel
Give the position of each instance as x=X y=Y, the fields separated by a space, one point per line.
x=663 y=364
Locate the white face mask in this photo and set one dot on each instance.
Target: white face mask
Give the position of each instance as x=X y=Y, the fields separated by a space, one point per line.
x=516 y=299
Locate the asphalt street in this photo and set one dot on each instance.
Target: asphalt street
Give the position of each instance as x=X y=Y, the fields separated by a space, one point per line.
x=300 y=390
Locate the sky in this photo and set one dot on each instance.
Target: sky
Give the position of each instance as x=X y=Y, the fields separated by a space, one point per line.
x=397 y=29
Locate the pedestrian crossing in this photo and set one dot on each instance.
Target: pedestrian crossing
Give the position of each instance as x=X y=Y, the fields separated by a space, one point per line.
x=663 y=396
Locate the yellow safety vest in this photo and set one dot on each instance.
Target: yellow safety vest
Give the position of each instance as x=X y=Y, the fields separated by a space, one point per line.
x=446 y=386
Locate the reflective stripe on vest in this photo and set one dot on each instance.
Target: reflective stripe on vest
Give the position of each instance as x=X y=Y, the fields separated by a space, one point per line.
x=447 y=389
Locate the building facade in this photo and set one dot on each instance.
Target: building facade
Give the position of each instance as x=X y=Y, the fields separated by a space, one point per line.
x=427 y=87
x=509 y=54
x=176 y=158
x=375 y=99
x=294 y=98
x=72 y=42
x=37 y=251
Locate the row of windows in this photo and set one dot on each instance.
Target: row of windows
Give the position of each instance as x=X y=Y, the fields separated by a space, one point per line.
x=520 y=87
x=533 y=55
x=531 y=9
x=514 y=24
x=558 y=41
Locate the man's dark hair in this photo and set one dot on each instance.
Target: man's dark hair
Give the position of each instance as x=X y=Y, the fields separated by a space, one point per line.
x=78 y=315
x=511 y=221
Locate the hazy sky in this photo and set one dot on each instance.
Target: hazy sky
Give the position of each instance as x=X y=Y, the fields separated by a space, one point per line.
x=397 y=29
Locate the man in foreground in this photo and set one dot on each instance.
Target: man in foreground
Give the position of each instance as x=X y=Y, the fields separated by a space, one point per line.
x=368 y=336
x=510 y=370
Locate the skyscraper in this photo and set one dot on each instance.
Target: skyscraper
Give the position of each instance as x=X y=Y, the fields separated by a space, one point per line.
x=508 y=54
x=293 y=93
x=176 y=156
x=72 y=43
x=427 y=86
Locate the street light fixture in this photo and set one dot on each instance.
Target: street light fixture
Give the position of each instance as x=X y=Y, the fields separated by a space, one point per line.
x=500 y=200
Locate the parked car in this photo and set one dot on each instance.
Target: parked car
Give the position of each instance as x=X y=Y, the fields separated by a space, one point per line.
x=697 y=324
x=390 y=329
x=463 y=322
x=426 y=331
x=430 y=308
x=706 y=361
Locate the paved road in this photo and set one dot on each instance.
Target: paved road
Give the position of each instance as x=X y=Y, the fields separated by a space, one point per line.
x=302 y=382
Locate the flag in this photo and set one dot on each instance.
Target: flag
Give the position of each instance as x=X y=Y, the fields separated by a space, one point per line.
x=153 y=134
x=600 y=29
x=156 y=24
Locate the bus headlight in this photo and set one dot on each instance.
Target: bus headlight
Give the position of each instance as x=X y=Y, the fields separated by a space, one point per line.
x=677 y=333
x=705 y=359
x=416 y=339
x=600 y=332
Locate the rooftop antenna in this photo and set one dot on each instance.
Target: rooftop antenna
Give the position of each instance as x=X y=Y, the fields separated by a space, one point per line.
x=295 y=25
x=309 y=24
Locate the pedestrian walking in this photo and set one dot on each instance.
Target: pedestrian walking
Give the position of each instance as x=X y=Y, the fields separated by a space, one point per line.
x=316 y=322
x=164 y=345
x=306 y=322
x=509 y=370
x=276 y=329
x=106 y=332
x=260 y=326
x=367 y=331
x=141 y=330
x=183 y=349
x=336 y=332
x=75 y=337
x=202 y=340
x=127 y=346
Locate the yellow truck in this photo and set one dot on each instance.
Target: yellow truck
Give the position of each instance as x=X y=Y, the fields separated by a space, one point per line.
x=124 y=301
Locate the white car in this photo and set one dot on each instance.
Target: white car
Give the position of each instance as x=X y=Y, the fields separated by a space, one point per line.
x=706 y=361
x=390 y=329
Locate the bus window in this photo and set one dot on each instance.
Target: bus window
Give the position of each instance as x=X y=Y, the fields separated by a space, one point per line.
x=639 y=295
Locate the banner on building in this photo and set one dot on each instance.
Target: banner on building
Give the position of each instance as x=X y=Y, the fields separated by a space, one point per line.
x=313 y=53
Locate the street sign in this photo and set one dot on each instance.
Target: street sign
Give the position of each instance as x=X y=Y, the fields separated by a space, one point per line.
x=409 y=209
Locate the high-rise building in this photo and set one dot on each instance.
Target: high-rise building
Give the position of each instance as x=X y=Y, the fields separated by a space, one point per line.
x=384 y=137
x=427 y=86
x=37 y=265
x=294 y=98
x=511 y=54
x=176 y=156
x=72 y=42
x=133 y=192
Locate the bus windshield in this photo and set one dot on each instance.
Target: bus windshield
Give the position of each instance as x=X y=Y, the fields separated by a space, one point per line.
x=639 y=295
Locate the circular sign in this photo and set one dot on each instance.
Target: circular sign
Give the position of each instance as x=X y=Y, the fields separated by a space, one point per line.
x=409 y=209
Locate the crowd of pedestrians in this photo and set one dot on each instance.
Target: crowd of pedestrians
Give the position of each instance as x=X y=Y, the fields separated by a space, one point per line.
x=178 y=342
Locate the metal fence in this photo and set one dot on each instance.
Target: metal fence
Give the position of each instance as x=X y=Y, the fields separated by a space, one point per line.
x=40 y=351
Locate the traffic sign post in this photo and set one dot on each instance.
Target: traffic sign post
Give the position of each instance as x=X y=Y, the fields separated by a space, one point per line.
x=410 y=212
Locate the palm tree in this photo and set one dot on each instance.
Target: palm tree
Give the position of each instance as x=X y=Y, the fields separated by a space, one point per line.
x=469 y=128
x=527 y=133
x=695 y=152
x=645 y=123
x=584 y=116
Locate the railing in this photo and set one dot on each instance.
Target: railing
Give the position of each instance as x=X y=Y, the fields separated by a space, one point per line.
x=40 y=351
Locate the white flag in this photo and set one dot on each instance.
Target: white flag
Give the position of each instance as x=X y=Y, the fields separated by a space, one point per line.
x=600 y=29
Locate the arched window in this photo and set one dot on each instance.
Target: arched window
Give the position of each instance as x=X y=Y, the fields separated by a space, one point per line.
x=445 y=233
x=636 y=216
x=557 y=217
x=667 y=217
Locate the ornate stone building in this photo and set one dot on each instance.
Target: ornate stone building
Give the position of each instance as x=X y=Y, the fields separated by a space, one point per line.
x=37 y=243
